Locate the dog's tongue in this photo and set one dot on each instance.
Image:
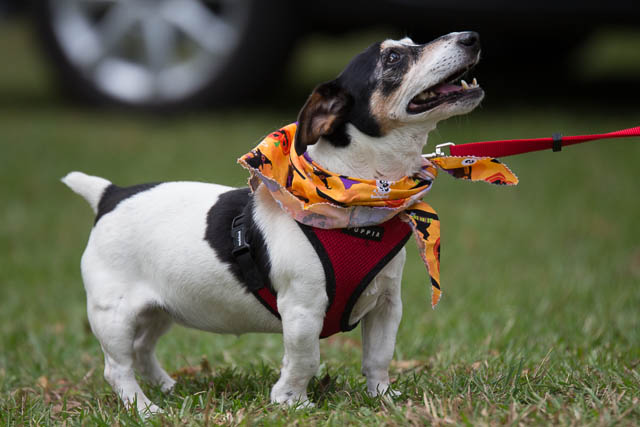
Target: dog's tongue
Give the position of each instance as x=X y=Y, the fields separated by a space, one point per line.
x=447 y=88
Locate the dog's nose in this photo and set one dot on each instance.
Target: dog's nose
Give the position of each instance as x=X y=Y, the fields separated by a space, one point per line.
x=469 y=40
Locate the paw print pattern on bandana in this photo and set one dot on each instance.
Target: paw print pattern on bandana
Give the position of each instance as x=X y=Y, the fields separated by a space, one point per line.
x=383 y=188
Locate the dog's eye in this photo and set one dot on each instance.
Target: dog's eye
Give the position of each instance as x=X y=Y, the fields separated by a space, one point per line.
x=392 y=57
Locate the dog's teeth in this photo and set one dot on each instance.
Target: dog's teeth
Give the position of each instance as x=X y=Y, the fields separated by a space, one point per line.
x=423 y=96
x=474 y=82
x=464 y=84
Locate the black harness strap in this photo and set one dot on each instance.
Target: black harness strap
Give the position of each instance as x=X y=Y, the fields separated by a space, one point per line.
x=242 y=251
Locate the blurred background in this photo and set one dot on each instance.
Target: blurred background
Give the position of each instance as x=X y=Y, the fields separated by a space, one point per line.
x=156 y=90
x=170 y=55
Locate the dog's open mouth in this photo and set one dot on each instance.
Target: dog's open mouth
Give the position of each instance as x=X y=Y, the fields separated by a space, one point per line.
x=446 y=91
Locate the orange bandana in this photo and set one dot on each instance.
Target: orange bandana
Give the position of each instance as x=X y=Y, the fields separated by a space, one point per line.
x=320 y=198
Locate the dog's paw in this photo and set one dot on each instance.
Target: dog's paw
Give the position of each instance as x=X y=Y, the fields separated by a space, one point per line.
x=167 y=385
x=392 y=393
x=297 y=404
x=291 y=399
x=307 y=404
x=382 y=390
x=147 y=411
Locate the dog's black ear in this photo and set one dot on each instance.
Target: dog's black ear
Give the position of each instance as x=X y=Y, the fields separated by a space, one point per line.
x=324 y=111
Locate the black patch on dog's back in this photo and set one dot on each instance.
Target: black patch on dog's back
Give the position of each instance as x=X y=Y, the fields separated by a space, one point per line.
x=113 y=195
x=218 y=233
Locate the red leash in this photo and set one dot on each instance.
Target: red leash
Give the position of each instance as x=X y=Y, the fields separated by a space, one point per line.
x=510 y=147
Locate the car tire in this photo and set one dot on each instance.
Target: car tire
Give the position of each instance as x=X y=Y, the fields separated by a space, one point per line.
x=183 y=54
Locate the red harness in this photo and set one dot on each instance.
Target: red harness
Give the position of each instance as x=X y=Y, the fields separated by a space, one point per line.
x=351 y=258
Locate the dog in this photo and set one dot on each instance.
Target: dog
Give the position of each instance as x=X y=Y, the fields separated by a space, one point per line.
x=162 y=253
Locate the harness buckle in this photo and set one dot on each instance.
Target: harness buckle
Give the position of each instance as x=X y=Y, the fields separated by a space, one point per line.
x=438 y=152
x=241 y=252
x=238 y=235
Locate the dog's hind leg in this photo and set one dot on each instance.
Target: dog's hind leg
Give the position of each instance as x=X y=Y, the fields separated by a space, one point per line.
x=113 y=311
x=151 y=326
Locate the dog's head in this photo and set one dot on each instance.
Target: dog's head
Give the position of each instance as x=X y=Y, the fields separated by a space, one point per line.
x=392 y=85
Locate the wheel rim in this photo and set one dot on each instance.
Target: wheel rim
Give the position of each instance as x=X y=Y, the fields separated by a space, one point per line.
x=149 y=51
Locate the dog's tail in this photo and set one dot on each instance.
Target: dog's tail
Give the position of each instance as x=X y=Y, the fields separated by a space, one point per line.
x=89 y=187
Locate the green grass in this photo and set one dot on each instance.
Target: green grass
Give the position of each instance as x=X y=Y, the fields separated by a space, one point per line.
x=539 y=322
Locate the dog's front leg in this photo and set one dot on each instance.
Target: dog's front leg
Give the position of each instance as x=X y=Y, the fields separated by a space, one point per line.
x=379 y=329
x=301 y=326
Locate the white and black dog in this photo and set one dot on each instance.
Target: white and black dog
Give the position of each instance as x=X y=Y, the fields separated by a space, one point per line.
x=160 y=253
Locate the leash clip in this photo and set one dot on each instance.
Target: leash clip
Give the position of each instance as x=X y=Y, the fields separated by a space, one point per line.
x=438 y=152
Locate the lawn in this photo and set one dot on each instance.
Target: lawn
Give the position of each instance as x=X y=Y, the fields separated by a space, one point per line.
x=539 y=321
